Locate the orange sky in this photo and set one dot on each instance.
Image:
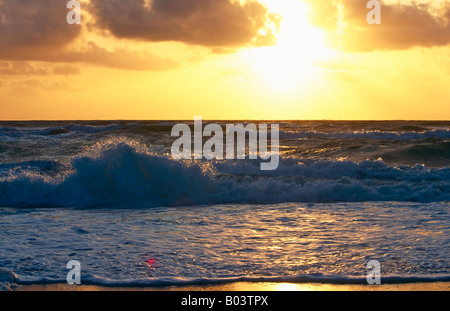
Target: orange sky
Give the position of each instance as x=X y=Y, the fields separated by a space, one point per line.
x=222 y=59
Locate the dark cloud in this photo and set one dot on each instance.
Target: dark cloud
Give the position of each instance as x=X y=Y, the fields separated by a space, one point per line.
x=38 y=31
x=212 y=23
x=34 y=27
x=402 y=26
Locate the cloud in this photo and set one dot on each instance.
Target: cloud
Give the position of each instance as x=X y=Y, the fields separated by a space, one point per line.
x=16 y=68
x=119 y=58
x=26 y=88
x=31 y=87
x=33 y=27
x=61 y=86
x=91 y=54
x=212 y=23
x=38 y=31
x=66 y=70
x=21 y=68
x=403 y=26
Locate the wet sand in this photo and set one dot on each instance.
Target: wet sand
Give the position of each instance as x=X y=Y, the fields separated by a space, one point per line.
x=250 y=286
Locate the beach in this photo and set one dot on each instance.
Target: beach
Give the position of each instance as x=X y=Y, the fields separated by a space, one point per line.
x=254 y=287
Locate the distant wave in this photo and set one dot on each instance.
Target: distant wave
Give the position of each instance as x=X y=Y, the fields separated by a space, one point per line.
x=125 y=173
x=368 y=135
x=88 y=129
x=56 y=130
x=93 y=129
x=287 y=131
x=432 y=153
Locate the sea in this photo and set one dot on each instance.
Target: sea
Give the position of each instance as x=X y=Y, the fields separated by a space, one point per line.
x=109 y=195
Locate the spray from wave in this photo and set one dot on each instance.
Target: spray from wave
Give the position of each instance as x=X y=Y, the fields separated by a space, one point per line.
x=121 y=172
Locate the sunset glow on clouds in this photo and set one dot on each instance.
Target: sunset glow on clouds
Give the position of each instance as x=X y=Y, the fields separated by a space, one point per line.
x=223 y=59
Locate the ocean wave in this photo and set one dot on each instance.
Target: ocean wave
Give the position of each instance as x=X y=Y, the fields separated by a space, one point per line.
x=58 y=130
x=432 y=153
x=9 y=280
x=8 y=129
x=124 y=173
x=287 y=130
x=93 y=129
x=444 y=134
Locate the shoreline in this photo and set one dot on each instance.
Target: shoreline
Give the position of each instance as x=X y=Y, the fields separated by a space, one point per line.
x=250 y=286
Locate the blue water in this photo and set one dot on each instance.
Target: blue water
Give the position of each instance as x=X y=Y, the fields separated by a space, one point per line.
x=109 y=195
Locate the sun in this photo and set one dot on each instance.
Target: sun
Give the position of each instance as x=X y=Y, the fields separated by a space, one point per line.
x=289 y=63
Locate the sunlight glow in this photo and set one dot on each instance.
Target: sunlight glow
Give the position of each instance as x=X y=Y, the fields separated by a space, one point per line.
x=289 y=287
x=290 y=62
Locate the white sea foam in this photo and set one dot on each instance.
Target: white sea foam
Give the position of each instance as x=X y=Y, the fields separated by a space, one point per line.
x=179 y=281
x=121 y=172
x=445 y=133
x=295 y=242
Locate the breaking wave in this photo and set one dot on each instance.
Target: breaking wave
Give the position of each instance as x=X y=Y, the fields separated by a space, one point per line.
x=126 y=173
x=444 y=134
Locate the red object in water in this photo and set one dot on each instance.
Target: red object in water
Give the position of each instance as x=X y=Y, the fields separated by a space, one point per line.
x=150 y=262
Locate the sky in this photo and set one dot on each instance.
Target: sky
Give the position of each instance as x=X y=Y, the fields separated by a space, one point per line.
x=224 y=59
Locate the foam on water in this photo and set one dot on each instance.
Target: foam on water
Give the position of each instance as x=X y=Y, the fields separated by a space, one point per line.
x=368 y=135
x=121 y=172
x=107 y=193
x=14 y=281
x=329 y=243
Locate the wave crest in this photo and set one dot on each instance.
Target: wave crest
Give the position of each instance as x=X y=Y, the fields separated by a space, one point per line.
x=125 y=173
